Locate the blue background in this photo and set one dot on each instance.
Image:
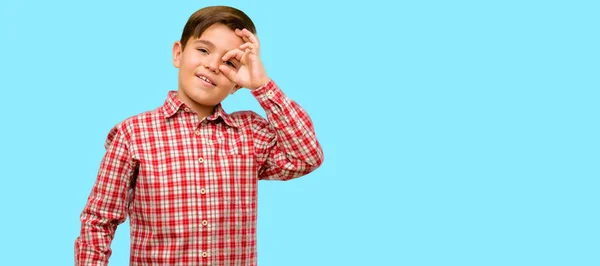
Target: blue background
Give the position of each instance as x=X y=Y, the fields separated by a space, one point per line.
x=455 y=132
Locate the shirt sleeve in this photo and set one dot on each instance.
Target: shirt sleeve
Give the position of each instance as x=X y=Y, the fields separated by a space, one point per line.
x=106 y=206
x=285 y=142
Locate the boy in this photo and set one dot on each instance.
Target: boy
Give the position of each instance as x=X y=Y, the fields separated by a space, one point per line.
x=186 y=173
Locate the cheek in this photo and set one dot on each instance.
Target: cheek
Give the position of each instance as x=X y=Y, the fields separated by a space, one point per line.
x=225 y=82
x=190 y=60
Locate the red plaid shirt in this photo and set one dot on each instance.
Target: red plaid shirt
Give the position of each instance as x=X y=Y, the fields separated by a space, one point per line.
x=189 y=186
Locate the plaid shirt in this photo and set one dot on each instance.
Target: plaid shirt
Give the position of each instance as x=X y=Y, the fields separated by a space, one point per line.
x=189 y=186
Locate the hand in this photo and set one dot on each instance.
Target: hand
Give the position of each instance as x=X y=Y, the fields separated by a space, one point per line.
x=251 y=73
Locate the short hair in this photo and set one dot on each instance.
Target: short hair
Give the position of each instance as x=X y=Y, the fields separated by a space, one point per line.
x=203 y=18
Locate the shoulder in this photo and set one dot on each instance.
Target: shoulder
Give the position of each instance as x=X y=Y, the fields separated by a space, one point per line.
x=245 y=115
x=248 y=119
x=133 y=125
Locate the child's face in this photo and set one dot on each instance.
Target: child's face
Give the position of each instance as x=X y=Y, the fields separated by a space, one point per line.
x=201 y=83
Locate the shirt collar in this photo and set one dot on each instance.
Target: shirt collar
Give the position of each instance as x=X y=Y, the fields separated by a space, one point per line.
x=173 y=104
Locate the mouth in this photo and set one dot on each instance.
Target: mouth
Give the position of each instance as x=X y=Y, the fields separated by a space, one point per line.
x=206 y=80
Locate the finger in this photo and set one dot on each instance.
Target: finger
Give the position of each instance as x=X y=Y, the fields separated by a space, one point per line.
x=241 y=34
x=249 y=46
x=251 y=37
x=235 y=53
x=244 y=59
x=228 y=72
x=247 y=36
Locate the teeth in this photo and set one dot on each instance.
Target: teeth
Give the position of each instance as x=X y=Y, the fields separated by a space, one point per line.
x=205 y=79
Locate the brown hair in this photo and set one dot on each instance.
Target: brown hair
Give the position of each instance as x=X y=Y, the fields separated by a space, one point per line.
x=208 y=16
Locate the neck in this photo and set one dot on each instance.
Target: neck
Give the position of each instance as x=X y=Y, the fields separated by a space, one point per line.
x=202 y=110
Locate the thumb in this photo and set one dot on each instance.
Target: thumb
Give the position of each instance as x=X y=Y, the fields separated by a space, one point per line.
x=228 y=72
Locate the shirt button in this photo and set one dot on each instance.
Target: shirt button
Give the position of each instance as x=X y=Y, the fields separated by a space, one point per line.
x=205 y=222
x=204 y=254
x=186 y=109
x=197 y=132
x=202 y=191
x=270 y=94
x=200 y=160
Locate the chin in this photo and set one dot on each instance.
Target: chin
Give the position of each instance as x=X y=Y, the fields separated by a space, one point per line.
x=205 y=101
x=205 y=96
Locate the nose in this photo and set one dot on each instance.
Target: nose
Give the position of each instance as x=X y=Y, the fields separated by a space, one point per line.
x=213 y=63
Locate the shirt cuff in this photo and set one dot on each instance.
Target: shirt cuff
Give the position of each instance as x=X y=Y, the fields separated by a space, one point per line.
x=268 y=93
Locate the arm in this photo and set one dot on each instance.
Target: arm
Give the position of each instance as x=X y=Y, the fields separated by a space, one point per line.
x=106 y=207
x=286 y=145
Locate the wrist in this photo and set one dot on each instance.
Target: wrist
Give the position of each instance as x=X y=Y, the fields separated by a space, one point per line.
x=263 y=82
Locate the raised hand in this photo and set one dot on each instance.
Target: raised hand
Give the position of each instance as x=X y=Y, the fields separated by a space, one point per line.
x=251 y=73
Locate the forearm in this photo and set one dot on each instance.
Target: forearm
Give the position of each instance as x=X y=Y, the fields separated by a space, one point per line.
x=92 y=247
x=294 y=133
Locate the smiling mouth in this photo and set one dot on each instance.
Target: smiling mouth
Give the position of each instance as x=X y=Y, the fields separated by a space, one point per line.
x=207 y=80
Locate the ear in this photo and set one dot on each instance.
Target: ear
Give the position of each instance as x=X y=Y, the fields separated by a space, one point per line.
x=177 y=51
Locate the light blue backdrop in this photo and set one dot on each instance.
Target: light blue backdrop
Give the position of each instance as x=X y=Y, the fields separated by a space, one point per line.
x=455 y=132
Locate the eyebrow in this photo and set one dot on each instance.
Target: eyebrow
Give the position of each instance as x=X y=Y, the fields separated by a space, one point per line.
x=205 y=42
